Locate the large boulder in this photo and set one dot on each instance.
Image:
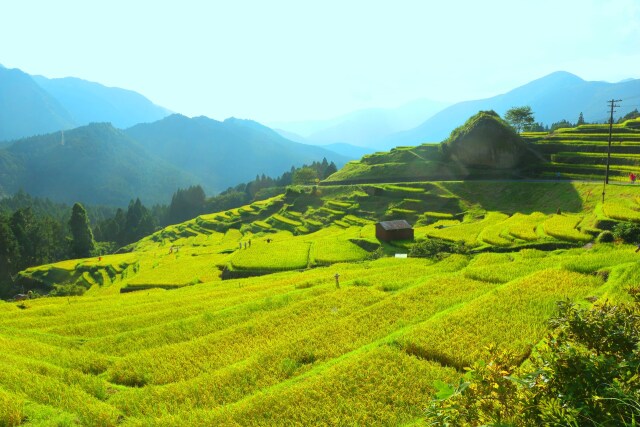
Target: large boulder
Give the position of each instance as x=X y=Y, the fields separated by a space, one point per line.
x=485 y=141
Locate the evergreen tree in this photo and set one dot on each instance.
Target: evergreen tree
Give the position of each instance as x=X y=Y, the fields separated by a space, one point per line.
x=22 y=226
x=331 y=169
x=9 y=251
x=82 y=243
x=580 y=119
x=187 y=204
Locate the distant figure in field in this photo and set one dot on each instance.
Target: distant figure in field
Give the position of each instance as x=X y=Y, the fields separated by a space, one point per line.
x=268 y=240
x=632 y=177
x=99 y=258
x=249 y=242
x=171 y=250
x=337 y=276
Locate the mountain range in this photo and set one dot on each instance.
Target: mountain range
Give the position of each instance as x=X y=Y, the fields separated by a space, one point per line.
x=33 y=105
x=360 y=128
x=100 y=164
x=555 y=97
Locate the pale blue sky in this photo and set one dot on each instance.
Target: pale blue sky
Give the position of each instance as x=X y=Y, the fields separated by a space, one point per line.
x=276 y=60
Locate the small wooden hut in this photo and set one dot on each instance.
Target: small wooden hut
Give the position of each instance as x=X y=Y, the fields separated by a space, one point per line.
x=398 y=229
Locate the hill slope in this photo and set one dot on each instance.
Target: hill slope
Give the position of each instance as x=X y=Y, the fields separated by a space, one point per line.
x=89 y=102
x=27 y=109
x=293 y=346
x=96 y=164
x=558 y=96
x=573 y=153
x=222 y=154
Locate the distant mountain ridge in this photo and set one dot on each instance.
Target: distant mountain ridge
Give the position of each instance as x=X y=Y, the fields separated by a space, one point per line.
x=100 y=164
x=363 y=127
x=89 y=102
x=95 y=164
x=236 y=150
x=557 y=96
x=33 y=105
x=26 y=109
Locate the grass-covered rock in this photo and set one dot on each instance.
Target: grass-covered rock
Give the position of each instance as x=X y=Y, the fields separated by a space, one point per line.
x=485 y=141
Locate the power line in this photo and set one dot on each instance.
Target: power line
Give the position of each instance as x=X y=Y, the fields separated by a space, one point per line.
x=612 y=105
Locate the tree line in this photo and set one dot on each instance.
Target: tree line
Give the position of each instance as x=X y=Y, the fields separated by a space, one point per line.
x=36 y=231
x=522 y=119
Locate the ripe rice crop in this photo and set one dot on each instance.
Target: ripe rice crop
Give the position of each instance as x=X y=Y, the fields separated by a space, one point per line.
x=523 y=227
x=391 y=187
x=495 y=234
x=438 y=215
x=331 y=250
x=622 y=209
x=563 y=227
x=466 y=232
x=514 y=316
x=285 y=220
x=274 y=256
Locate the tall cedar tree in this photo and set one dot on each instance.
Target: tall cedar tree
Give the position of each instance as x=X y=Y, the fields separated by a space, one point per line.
x=82 y=243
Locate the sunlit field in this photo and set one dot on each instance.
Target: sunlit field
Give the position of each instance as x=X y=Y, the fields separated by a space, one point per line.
x=206 y=324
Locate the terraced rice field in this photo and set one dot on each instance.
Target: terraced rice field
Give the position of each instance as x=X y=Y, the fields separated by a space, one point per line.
x=293 y=347
x=289 y=348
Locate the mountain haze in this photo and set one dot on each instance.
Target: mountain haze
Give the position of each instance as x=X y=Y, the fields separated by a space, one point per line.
x=89 y=102
x=26 y=108
x=363 y=127
x=35 y=105
x=222 y=154
x=95 y=164
x=555 y=97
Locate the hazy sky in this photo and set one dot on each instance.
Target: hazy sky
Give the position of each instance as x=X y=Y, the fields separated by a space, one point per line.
x=273 y=60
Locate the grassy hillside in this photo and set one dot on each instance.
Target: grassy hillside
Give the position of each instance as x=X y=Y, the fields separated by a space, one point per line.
x=291 y=347
x=572 y=153
x=580 y=153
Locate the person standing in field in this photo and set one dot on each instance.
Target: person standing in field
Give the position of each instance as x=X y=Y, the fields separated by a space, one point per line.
x=632 y=177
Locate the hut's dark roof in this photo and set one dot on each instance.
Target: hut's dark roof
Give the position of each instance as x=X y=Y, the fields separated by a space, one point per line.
x=398 y=224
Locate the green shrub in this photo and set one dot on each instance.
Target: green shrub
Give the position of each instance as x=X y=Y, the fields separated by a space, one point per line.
x=627 y=231
x=584 y=374
x=605 y=237
x=436 y=248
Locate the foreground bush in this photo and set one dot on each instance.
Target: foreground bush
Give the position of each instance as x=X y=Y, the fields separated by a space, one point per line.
x=605 y=237
x=585 y=374
x=627 y=231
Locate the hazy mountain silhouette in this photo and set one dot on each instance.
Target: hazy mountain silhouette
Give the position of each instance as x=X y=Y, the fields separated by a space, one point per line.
x=27 y=109
x=34 y=105
x=222 y=154
x=348 y=150
x=96 y=164
x=555 y=97
x=89 y=102
x=363 y=127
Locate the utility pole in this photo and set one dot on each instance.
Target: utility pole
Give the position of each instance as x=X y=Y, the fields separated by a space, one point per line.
x=606 y=176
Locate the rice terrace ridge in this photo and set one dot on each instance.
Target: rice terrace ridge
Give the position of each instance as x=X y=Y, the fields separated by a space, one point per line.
x=340 y=214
